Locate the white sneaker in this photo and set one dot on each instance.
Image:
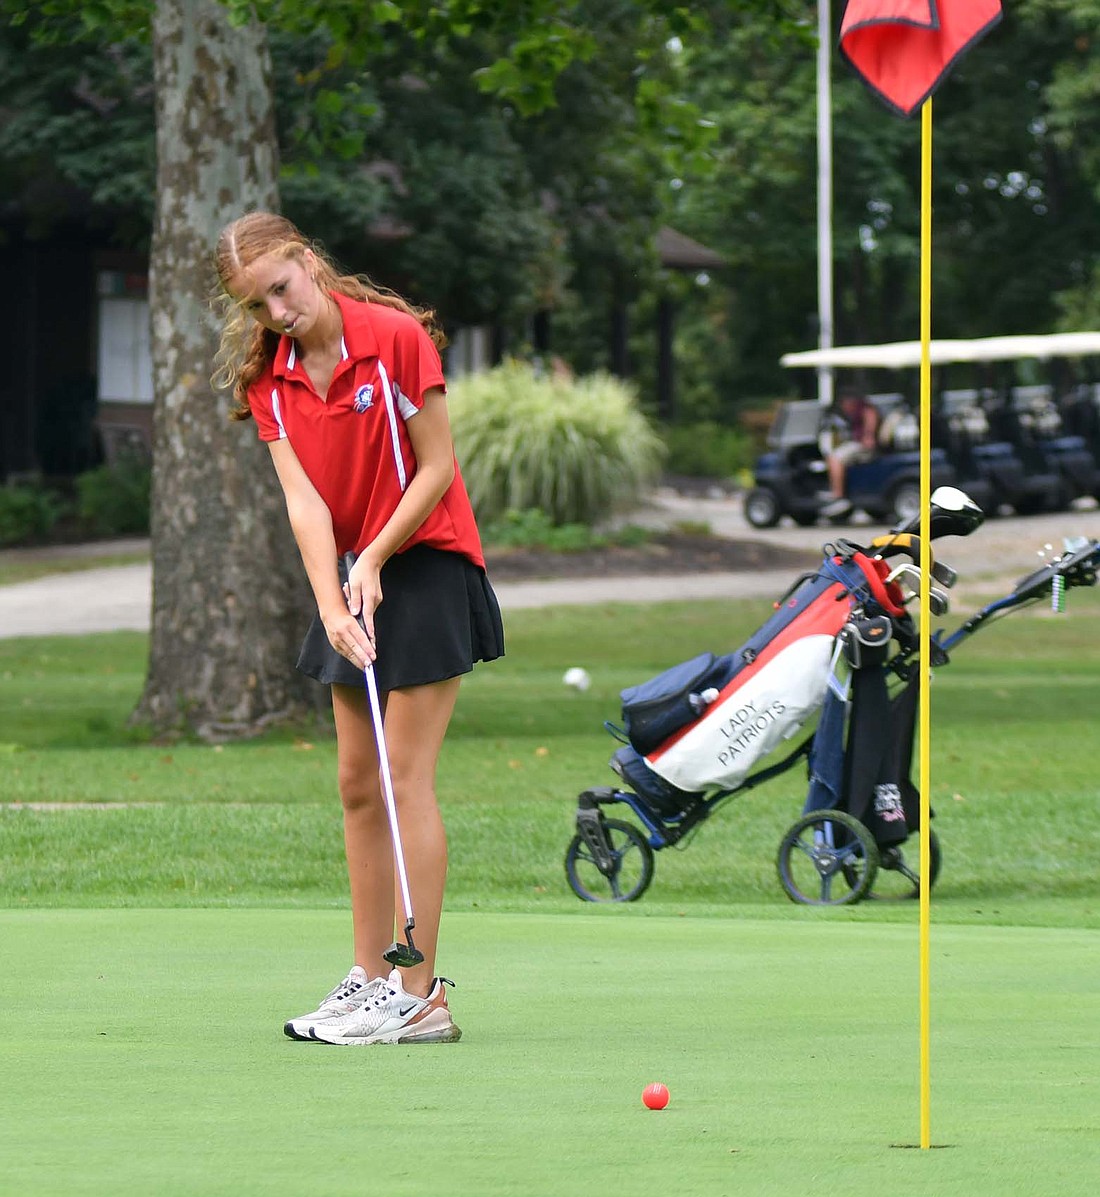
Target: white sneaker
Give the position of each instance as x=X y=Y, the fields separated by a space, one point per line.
x=835 y=509
x=390 y=1015
x=349 y=995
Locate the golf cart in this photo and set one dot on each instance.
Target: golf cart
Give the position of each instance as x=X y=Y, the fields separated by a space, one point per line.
x=1059 y=468
x=1014 y=450
x=990 y=471
x=792 y=477
x=1080 y=410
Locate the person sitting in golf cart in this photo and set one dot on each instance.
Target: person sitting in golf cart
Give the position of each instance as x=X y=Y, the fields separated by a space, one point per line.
x=855 y=442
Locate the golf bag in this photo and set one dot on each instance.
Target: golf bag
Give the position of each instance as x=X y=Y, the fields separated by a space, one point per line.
x=704 y=725
x=861 y=756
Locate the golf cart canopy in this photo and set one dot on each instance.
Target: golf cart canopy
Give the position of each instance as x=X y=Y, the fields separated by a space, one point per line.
x=899 y=355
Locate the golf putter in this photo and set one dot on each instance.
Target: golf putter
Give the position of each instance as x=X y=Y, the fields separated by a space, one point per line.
x=407 y=954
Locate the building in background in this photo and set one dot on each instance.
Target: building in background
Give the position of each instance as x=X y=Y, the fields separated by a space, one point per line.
x=77 y=380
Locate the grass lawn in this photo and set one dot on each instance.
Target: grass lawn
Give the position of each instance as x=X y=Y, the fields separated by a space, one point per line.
x=1013 y=778
x=155 y=940
x=791 y=1060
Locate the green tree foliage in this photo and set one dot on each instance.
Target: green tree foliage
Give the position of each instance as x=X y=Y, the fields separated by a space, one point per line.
x=520 y=156
x=1015 y=176
x=1071 y=125
x=76 y=132
x=1015 y=203
x=495 y=160
x=491 y=159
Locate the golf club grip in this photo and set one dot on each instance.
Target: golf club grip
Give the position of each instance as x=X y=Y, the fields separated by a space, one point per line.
x=349 y=561
x=901 y=542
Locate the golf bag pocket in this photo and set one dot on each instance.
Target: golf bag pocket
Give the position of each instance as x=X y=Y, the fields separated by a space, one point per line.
x=659 y=796
x=657 y=709
x=866 y=642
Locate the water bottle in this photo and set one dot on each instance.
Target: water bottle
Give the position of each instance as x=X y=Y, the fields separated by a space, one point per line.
x=700 y=702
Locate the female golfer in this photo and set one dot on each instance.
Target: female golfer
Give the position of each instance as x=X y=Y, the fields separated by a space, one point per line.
x=346 y=387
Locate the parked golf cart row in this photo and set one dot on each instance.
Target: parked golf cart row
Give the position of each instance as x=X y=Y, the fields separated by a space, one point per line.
x=1017 y=447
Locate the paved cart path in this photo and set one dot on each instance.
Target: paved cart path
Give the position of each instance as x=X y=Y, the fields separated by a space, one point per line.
x=118 y=598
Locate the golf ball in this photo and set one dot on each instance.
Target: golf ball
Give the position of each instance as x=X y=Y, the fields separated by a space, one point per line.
x=655 y=1096
x=577 y=678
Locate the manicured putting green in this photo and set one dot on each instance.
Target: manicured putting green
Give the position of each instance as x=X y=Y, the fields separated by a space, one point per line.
x=142 y=1053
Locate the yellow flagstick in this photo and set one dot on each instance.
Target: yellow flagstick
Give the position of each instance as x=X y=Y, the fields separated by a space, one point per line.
x=925 y=628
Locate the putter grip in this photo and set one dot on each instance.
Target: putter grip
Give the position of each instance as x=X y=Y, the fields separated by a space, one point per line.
x=349 y=561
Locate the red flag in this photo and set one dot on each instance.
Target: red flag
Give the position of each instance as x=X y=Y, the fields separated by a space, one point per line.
x=902 y=49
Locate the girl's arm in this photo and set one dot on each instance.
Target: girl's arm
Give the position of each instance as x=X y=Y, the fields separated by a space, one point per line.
x=311 y=522
x=430 y=433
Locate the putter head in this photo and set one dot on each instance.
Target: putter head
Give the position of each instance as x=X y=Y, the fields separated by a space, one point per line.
x=403 y=955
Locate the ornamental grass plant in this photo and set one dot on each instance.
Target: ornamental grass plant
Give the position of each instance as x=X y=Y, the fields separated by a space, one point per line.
x=574 y=448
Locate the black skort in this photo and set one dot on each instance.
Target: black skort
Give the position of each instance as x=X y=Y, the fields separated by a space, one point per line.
x=438 y=615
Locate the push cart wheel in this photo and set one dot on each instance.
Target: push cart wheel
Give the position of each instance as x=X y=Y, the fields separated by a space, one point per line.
x=827 y=858
x=631 y=865
x=898 y=877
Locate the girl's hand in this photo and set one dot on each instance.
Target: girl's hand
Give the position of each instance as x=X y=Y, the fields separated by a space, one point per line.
x=363 y=593
x=348 y=638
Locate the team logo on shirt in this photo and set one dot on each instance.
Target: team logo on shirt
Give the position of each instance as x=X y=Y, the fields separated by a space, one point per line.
x=364 y=397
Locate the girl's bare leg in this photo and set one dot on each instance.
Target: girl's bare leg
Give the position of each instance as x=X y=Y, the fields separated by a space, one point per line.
x=366 y=830
x=416 y=720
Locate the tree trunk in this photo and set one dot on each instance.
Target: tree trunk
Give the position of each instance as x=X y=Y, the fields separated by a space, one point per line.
x=229 y=598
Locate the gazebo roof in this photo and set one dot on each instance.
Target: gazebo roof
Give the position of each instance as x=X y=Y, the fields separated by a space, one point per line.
x=677 y=251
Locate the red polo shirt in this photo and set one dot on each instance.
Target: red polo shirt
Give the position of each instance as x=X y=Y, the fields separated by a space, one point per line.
x=353 y=445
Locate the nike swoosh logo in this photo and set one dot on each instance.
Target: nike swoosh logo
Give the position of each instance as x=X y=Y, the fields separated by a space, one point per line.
x=404 y=1013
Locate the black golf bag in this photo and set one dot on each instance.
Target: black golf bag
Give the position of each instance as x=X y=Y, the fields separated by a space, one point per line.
x=861 y=755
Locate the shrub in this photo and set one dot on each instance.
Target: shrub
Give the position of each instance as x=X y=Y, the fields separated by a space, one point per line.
x=576 y=449
x=532 y=529
x=114 y=500
x=708 y=450
x=28 y=513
